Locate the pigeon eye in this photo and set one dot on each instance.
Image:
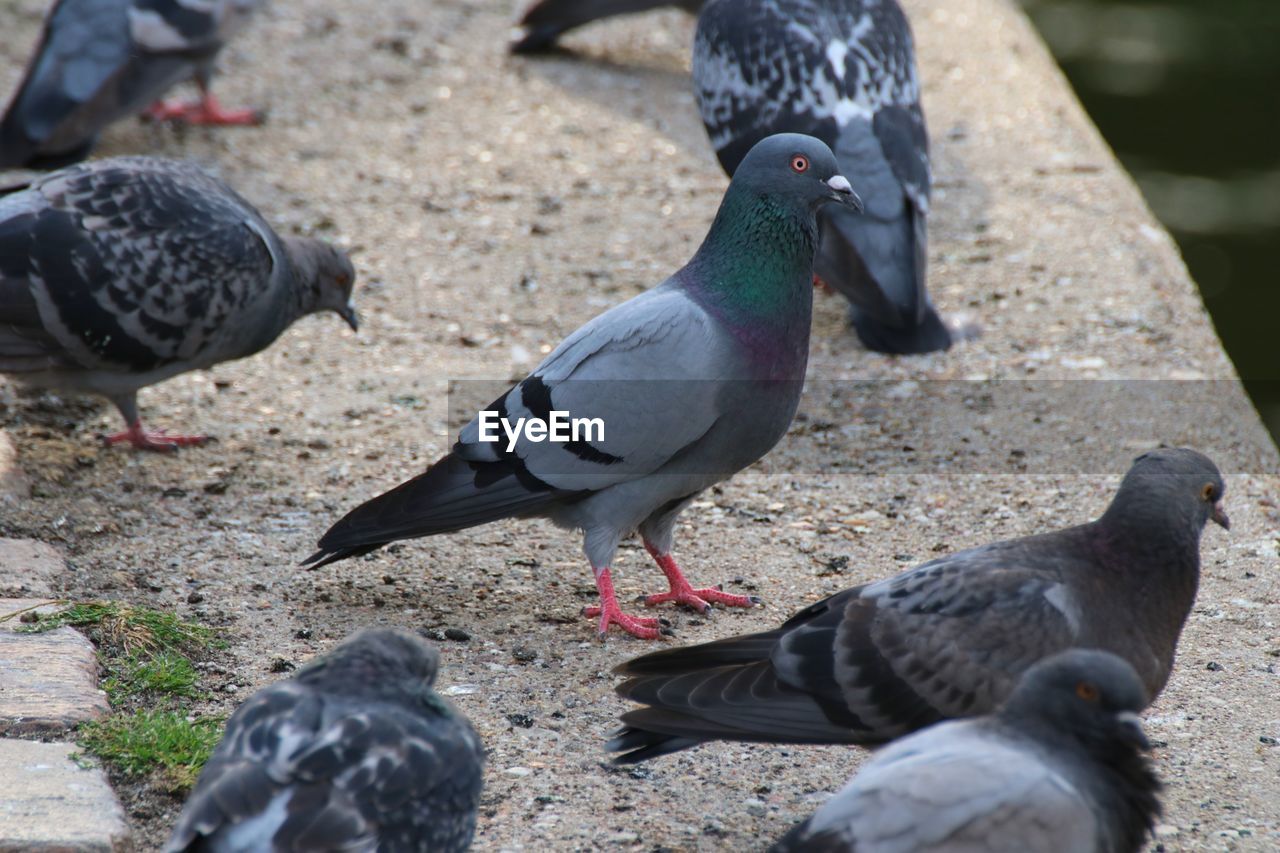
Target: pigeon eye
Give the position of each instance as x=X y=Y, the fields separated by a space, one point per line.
x=1208 y=493
x=1087 y=691
x=799 y=164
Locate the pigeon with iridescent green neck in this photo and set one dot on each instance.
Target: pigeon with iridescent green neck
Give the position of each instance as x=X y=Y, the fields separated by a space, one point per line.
x=691 y=382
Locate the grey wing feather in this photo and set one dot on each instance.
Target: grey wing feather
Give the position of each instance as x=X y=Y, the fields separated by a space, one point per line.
x=136 y=263
x=954 y=787
x=947 y=639
x=631 y=367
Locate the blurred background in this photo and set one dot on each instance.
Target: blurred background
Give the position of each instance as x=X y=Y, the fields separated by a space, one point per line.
x=1187 y=92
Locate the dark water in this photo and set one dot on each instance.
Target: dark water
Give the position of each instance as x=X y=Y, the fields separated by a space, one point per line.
x=1187 y=92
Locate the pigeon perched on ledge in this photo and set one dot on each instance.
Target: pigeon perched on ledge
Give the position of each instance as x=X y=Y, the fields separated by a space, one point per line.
x=692 y=381
x=1058 y=769
x=845 y=72
x=948 y=638
x=120 y=273
x=355 y=752
x=99 y=61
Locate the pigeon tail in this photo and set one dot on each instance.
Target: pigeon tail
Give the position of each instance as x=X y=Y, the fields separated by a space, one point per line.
x=879 y=266
x=547 y=20
x=451 y=495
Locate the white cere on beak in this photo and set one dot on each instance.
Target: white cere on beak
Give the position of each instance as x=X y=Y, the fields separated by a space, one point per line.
x=840 y=184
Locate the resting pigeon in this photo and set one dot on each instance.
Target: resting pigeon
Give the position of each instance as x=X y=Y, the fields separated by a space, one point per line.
x=845 y=72
x=1058 y=769
x=547 y=20
x=948 y=638
x=354 y=752
x=118 y=274
x=691 y=381
x=99 y=61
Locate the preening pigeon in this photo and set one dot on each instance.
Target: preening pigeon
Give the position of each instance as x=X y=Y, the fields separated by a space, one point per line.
x=1059 y=769
x=691 y=381
x=118 y=274
x=948 y=638
x=547 y=20
x=845 y=72
x=99 y=61
x=354 y=752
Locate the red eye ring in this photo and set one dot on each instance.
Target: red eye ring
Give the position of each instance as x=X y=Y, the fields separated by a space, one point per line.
x=799 y=164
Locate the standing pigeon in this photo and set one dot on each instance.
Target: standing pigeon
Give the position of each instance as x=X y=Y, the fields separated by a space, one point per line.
x=118 y=274
x=1058 y=769
x=692 y=381
x=547 y=20
x=948 y=638
x=99 y=61
x=354 y=752
x=845 y=72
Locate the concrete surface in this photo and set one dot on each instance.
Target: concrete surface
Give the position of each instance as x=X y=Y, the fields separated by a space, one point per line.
x=48 y=681
x=494 y=205
x=51 y=804
x=28 y=568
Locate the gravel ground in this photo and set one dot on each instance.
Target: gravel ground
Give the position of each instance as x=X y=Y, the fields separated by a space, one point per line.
x=495 y=204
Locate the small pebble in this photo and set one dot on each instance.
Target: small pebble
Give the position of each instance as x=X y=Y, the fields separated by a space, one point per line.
x=456 y=634
x=518 y=772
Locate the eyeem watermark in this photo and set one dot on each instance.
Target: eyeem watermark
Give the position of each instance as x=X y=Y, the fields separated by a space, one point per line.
x=559 y=428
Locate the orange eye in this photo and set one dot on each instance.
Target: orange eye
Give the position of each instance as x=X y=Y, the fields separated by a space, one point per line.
x=1087 y=691
x=1207 y=492
x=799 y=164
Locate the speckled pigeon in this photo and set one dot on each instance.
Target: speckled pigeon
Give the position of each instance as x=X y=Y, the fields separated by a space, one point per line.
x=845 y=72
x=355 y=752
x=120 y=273
x=99 y=61
x=692 y=381
x=547 y=20
x=1058 y=769
x=948 y=638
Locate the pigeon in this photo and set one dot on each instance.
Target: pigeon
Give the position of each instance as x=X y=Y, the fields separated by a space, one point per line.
x=691 y=381
x=99 y=61
x=355 y=752
x=1059 y=768
x=845 y=72
x=948 y=638
x=547 y=20
x=120 y=273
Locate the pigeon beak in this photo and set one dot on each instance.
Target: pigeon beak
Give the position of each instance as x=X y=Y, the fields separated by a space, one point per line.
x=348 y=313
x=1129 y=727
x=1220 y=516
x=843 y=192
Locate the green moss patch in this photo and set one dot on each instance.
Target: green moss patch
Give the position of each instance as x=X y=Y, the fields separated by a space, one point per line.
x=166 y=745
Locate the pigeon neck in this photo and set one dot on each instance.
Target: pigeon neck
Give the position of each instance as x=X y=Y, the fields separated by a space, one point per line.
x=756 y=264
x=1113 y=774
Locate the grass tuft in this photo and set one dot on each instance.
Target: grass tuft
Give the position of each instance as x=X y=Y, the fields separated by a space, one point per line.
x=165 y=745
x=165 y=672
x=129 y=628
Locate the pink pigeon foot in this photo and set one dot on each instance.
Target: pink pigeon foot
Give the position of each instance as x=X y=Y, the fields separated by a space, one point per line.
x=822 y=286
x=682 y=592
x=206 y=111
x=145 y=439
x=644 y=627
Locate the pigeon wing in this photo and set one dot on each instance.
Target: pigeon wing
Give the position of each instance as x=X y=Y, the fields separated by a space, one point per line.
x=137 y=264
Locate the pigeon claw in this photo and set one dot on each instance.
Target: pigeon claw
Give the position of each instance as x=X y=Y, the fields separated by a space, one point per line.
x=155 y=440
x=206 y=111
x=610 y=613
x=701 y=599
x=682 y=592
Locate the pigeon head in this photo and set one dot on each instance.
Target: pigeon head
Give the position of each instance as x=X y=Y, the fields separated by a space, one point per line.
x=796 y=168
x=325 y=276
x=381 y=663
x=1086 y=694
x=1173 y=488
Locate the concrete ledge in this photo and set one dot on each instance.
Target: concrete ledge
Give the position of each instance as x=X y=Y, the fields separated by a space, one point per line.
x=49 y=681
x=50 y=803
x=28 y=568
